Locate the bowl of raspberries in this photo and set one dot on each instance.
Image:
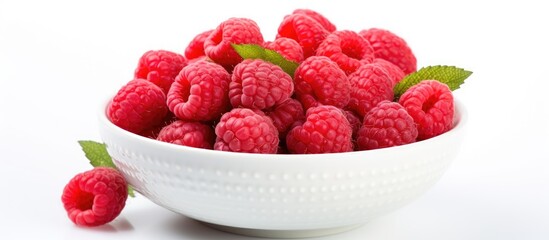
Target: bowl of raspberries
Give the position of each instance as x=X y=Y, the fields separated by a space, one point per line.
x=312 y=133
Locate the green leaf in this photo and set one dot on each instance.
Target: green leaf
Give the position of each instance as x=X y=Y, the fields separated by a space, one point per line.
x=450 y=75
x=254 y=51
x=98 y=156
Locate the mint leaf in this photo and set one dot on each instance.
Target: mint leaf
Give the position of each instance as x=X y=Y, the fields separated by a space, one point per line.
x=254 y=51
x=450 y=75
x=98 y=156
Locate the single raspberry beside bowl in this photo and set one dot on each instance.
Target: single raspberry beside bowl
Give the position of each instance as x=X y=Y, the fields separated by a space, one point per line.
x=392 y=48
x=287 y=47
x=139 y=105
x=246 y=130
x=217 y=45
x=195 y=49
x=258 y=84
x=305 y=30
x=187 y=133
x=319 y=80
x=95 y=197
x=346 y=48
x=431 y=105
x=325 y=130
x=200 y=92
x=160 y=67
x=386 y=125
x=370 y=84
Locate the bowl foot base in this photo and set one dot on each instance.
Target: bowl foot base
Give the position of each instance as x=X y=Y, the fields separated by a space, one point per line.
x=282 y=233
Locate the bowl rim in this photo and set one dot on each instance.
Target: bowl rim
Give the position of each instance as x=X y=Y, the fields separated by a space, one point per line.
x=460 y=120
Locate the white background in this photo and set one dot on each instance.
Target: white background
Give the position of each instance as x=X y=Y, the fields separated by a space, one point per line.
x=59 y=60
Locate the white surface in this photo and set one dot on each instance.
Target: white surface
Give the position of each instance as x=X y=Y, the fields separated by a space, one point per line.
x=58 y=61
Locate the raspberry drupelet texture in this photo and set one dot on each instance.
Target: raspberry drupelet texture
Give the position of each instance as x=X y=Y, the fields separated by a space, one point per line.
x=160 y=67
x=139 y=105
x=392 y=48
x=325 y=130
x=319 y=80
x=354 y=120
x=303 y=29
x=370 y=84
x=217 y=45
x=395 y=73
x=287 y=47
x=195 y=49
x=285 y=114
x=431 y=105
x=329 y=26
x=258 y=84
x=95 y=197
x=187 y=133
x=246 y=130
x=346 y=48
x=386 y=125
x=200 y=92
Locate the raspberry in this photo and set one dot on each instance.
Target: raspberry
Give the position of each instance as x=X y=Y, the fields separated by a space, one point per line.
x=138 y=105
x=319 y=80
x=287 y=47
x=329 y=26
x=192 y=134
x=305 y=30
x=386 y=125
x=232 y=31
x=370 y=84
x=195 y=48
x=326 y=130
x=285 y=114
x=243 y=130
x=95 y=197
x=346 y=48
x=431 y=105
x=160 y=67
x=354 y=120
x=200 y=92
x=392 y=48
x=153 y=132
x=395 y=73
x=258 y=84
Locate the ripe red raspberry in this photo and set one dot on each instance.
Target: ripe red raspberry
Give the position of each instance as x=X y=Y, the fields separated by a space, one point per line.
x=258 y=84
x=155 y=130
x=186 y=133
x=305 y=30
x=326 y=130
x=160 y=67
x=392 y=48
x=244 y=130
x=395 y=73
x=287 y=47
x=386 y=125
x=138 y=105
x=431 y=105
x=95 y=197
x=195 y=48
x=200 y=92
x=285 y=114
x=319 y=80
x=370 y=84
x=232 y=31
x=329 y=26
x=346 y=48
x=354 y=120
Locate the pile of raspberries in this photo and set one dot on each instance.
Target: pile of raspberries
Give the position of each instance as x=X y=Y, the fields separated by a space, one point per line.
x=340 y=98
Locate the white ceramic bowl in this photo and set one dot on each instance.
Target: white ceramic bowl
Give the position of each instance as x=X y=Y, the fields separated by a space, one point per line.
x=281 y=195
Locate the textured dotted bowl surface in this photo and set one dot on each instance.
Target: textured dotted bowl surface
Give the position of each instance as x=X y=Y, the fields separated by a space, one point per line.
x=281 y=195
